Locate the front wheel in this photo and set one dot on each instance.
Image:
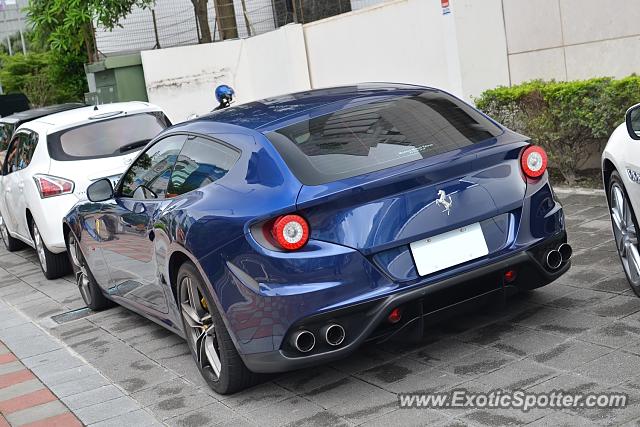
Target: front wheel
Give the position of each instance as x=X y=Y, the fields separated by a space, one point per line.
x=53 y=265
x=207 y=337
x=89 y=289
x=624 y=223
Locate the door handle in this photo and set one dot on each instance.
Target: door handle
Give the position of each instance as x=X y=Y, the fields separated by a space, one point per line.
x=152 y=235
x=21 y=186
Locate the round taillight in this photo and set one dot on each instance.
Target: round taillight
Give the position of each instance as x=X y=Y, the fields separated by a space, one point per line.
x=534 y=162
x=291 y=232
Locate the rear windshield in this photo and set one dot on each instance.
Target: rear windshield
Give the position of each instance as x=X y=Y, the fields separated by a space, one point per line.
x=106 y=138
x=6 y=130
x=379 y=135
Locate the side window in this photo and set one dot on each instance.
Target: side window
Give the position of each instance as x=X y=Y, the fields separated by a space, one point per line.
x=201 y=162
x=29 y=141
x=149 y=176
x=13 y=155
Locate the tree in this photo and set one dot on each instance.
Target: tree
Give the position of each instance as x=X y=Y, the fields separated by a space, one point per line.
x=68 y=25
x=226 y=17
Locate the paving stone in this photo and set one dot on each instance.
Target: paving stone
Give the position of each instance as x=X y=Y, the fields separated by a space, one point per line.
x=210 y=415
x=78 y=386
x=139 y=418
x=570 y=354
x=20 y=389
x=92 y=397
x=36 y=413
x=260 y=396
x=479 y=363
x=407 y=418
x=612 y=368
x=288 y=411
x=306 y=380
x=107 y=410
x=518 y=375
x=393 y=371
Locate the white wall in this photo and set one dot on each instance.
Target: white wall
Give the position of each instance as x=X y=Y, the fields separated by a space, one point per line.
x=572 y=39
x=182 y=80
x=398 y=41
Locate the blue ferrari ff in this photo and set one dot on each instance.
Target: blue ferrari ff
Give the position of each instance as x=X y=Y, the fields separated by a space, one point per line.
x=286 y=232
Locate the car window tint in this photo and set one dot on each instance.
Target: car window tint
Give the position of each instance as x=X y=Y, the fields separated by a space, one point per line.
x=107 y=137
x=149 y=176
x=13 y=155
x=6 y=130
x=201 y=162
x=27 y=148
x=379 y=135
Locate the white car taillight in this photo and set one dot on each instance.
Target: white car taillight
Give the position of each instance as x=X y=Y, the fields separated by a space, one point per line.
x=50 y=186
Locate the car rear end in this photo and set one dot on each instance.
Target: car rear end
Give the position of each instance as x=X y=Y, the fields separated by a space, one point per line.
x=411 y=204
x=102 y=146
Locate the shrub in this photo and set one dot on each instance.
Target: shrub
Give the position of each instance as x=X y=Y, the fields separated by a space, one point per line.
x=571 y=120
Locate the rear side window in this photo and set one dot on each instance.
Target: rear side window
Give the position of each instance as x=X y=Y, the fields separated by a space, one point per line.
x=200 y=163
x=379 y=135
x=6 y=130
x=106 y=138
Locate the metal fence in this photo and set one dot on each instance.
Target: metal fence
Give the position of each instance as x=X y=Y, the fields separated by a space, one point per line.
x=172 y=23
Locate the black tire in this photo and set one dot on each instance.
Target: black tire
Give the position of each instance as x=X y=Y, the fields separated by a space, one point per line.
x=10 y=243
x=234 y=375
x=631 y=231
x=53 y=265
x=87 y=285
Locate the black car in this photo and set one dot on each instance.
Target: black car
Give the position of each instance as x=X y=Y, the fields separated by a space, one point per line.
x=10 y=123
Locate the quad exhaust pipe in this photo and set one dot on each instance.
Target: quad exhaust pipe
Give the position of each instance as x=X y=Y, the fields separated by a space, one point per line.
x=303 y=341
x=556 y=257
x=333 y=334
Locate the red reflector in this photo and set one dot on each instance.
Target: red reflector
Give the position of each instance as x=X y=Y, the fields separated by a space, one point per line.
x=510 y=276
x=395 y=316
x=534 y=162
x=50 y=186
x=291 y=232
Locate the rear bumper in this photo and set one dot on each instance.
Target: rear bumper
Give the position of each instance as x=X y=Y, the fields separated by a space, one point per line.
x=367 y=321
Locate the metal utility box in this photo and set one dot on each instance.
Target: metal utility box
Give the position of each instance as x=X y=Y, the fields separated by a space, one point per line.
x=116 y=79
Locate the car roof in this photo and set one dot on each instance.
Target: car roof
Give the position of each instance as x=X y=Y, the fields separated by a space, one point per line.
x=272 y=113
x=36 y=113
x=70 y=118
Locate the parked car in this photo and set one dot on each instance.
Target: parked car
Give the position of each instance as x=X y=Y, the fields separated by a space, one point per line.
x=13 y=103
x=50 y=163
x=621 y=173
x=10 y=123
x=284 y=233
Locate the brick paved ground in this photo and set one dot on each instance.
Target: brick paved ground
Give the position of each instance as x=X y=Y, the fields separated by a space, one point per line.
x=581 y=333
x=25 y=401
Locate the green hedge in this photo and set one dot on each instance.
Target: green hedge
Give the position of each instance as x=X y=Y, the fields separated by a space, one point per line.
x=571 y=120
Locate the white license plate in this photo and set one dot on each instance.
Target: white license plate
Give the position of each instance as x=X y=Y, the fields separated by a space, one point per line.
x=448 y=249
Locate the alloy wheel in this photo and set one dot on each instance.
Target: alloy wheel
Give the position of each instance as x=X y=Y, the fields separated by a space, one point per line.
x=201 y=330
x=82 y=276
x=39 y=247
x=624 y=231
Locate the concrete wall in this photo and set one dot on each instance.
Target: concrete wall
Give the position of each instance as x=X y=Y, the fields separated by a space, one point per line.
x=404 y=40
x=182 y=80
x=572 y=39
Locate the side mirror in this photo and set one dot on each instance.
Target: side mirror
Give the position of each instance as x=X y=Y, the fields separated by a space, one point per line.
x=633 y=122
x=100 y=190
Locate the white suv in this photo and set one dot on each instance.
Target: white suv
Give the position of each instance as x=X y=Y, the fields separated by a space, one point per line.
x=51 y=161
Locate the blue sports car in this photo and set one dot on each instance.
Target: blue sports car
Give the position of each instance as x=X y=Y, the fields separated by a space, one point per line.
x=286 y=232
